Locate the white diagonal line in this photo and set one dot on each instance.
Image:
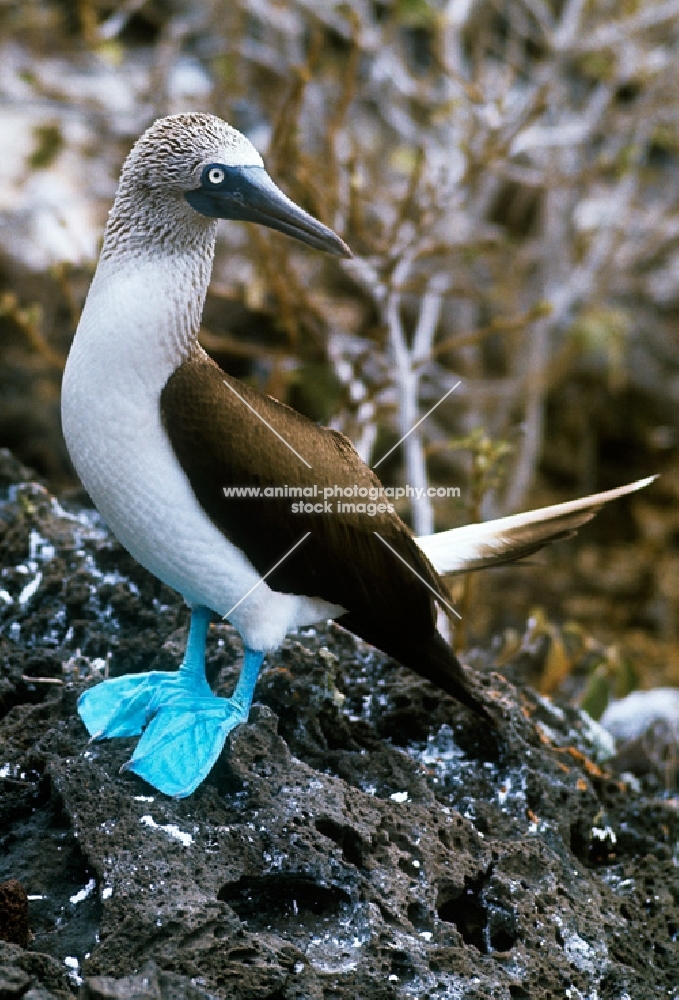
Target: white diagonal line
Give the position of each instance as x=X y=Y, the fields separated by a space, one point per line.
x=415 y=426
x=263 y=578
x=414 y=571
x=266 y=422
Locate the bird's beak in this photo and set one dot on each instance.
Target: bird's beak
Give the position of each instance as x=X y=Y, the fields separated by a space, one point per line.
x=249 y=194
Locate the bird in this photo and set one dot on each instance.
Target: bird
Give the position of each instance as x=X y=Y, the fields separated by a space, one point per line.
x=160 y=436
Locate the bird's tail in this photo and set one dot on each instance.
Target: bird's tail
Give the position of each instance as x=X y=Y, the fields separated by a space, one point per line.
x=491 y=543
x=435 y=660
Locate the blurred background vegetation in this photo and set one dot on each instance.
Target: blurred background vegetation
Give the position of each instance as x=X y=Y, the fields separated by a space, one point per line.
x=507 y=174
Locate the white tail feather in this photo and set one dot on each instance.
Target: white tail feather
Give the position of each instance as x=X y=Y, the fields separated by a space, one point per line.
x=490 y=543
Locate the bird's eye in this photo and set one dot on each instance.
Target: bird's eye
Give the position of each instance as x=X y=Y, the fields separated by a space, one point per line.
x=215 y=175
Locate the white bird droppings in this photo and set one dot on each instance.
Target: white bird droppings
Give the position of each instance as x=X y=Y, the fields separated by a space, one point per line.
x=170 y=829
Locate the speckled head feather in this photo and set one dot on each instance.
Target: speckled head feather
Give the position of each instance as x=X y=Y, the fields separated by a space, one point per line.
x=149 y=213
x=173 y=151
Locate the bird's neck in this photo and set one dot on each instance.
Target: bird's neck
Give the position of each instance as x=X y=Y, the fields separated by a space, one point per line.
x=149 y=289
x=144 y=307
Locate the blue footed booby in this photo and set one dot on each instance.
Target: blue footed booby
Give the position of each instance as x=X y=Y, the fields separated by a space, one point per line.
x=157 y=432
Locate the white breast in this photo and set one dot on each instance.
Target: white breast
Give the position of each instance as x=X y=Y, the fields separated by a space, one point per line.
x=129 y=341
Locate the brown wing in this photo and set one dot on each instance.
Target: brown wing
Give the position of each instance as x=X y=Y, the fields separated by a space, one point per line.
x=221 y=431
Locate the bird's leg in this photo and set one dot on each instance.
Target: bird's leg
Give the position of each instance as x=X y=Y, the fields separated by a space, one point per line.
x=186 y=724
x=192 y=670
x=244 y=691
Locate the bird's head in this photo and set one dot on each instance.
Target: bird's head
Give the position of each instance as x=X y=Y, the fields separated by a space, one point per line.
x=200 y=160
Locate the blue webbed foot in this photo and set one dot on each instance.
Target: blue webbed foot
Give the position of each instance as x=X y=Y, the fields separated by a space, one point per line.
x=186 y=724
x=182 y=742
x=187 y=733
x=122 y=706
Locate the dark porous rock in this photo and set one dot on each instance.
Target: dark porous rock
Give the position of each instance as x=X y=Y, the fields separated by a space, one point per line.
x=38 y=993
x=13 y=982
x=31 y=974
x=361 y=836
x=148 y=984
